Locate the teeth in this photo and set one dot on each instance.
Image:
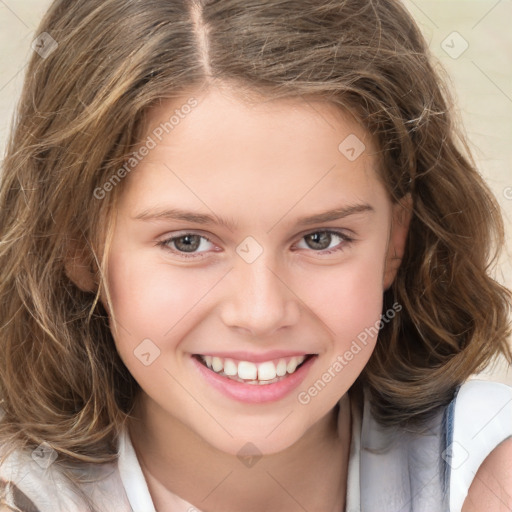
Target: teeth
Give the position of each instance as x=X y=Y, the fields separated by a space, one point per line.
x=230 y=367
x=217 y=364
x=292 y=365
x=281 y=368
x=247 y=370
x=267 y=371
x=252 y=373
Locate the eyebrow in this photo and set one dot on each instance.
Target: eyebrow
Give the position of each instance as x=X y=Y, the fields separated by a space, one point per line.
x=203 y=218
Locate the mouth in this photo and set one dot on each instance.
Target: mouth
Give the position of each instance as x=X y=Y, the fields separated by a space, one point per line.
x=248 y=372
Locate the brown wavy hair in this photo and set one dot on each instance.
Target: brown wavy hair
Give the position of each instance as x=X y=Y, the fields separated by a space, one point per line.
x=78 y=120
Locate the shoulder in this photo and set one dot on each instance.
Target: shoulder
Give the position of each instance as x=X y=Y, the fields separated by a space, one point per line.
x=463 y=445
x=491 y=488
x=12 y=498
x=24 y=473
x=480 y=447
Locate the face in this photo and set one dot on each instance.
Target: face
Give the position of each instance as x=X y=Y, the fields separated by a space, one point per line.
x=217 y=258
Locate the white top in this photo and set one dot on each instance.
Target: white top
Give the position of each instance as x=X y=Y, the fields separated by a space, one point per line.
x=397 y=471
x=389 y=471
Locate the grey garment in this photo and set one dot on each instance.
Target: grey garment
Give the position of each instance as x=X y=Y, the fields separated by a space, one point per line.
x=27 y=485
x=404 y=471
x=14 y=499
x=431 y=470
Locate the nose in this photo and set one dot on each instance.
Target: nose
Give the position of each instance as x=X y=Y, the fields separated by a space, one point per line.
x=259 y=300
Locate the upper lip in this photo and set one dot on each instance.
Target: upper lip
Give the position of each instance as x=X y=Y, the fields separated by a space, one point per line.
x=256 y=357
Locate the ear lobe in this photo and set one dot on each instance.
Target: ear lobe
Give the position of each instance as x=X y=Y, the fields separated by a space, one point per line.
x=78 y=268
x=401 y=219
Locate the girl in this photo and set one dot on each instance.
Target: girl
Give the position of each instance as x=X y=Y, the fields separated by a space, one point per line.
x=244 y=267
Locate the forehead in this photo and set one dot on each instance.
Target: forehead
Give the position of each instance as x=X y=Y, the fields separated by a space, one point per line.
x=257 y=154
x=223 y=108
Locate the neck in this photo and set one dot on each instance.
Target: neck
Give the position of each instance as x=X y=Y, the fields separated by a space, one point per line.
x=309 y=475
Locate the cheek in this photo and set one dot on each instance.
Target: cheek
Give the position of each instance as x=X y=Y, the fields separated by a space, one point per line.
x=348 y=298
x=352 y=308
x=156 y=302
x=150 y=299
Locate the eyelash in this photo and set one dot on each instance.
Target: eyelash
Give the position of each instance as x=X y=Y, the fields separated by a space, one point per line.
x=165 y=243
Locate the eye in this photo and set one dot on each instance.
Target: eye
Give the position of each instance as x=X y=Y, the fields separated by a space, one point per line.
x=320 y=241
x=185 y=244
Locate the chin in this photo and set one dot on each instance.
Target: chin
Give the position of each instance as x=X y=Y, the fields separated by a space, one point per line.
x=257 y=445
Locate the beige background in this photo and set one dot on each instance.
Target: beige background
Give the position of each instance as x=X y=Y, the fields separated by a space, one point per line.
x=471 y=39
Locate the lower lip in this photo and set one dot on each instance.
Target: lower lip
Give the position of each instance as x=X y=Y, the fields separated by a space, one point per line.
x=255 y=393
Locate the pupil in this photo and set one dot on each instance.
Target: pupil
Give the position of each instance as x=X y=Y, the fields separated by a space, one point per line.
x=188 y=246
x=323 y=236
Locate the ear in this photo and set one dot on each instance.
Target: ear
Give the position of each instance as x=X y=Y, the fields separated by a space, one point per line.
x=401 y=218
x=78 y=266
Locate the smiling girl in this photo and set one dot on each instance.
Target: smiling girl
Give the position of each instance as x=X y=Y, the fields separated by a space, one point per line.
x=245 y=267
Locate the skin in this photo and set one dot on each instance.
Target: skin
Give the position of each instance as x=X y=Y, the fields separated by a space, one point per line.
x=262 y=165
x=491 y=488
x=266 y=166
